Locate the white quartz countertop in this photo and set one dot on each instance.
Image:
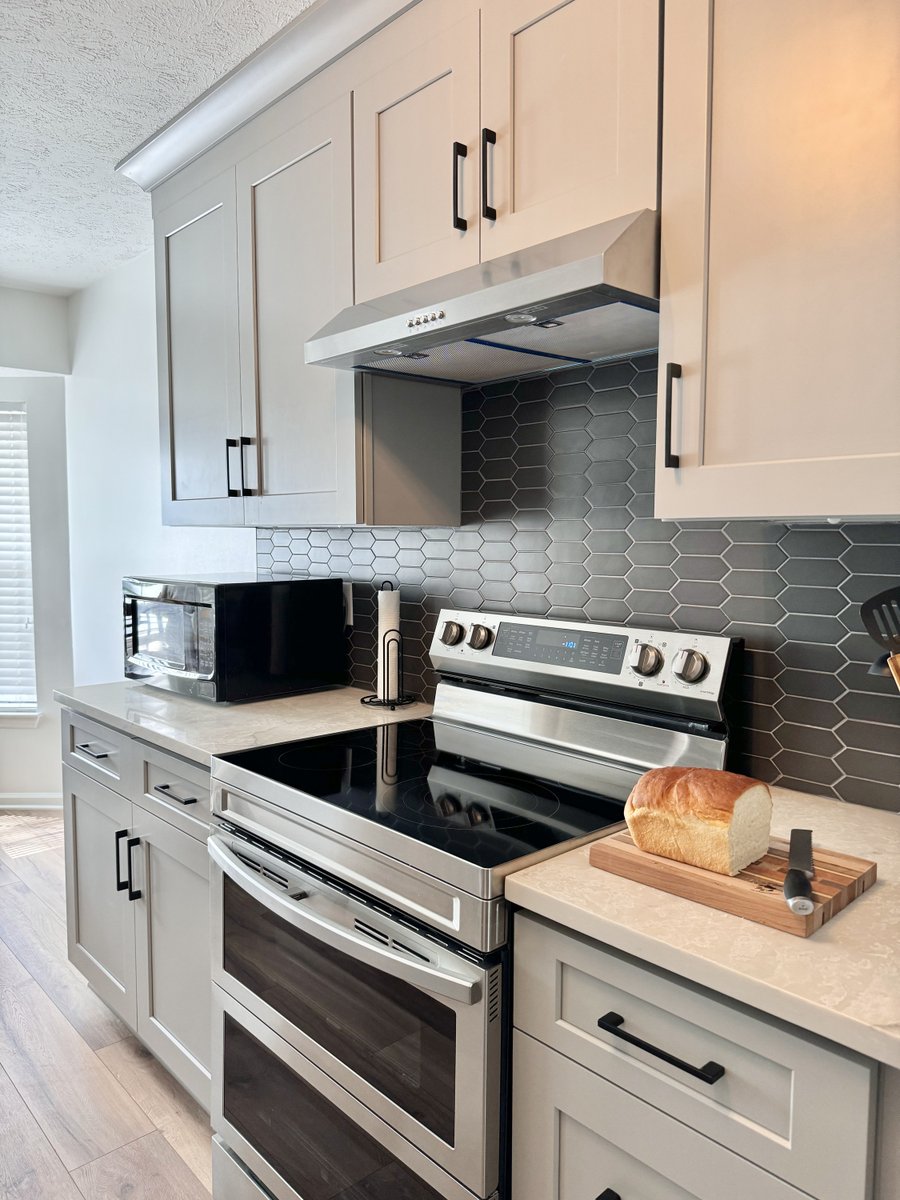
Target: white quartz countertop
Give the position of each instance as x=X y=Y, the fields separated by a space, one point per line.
x=197 y=730
x=843 y=982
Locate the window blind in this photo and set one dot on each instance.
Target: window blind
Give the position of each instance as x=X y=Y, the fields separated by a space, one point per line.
x=18 y=692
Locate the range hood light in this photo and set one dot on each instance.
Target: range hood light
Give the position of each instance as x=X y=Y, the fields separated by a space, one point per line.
x=520 y=318
x=416 y=354
x=550 y=324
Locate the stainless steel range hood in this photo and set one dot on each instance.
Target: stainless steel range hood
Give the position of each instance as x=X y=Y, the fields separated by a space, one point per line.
x=585 y=297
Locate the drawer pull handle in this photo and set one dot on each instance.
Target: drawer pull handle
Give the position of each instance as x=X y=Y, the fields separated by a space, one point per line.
x=85 y=748
x=165 y=789
x=609 y=1194
x=710 y=1072
x=133 y=892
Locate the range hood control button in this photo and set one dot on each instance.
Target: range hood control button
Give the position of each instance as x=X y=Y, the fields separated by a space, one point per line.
x=480 y=637
x=690 y=666
x=452 y=633
x=645 y=659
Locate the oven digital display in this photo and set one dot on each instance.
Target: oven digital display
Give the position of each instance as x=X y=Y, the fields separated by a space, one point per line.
x=587 y=650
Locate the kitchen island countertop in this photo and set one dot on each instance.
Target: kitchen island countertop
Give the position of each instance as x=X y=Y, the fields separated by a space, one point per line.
x=197 y=730
x=843 y=982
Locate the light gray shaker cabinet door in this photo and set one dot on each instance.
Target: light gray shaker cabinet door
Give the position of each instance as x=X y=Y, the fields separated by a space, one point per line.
x=295 y=248
x=100 y=924
x=199 y=357
x=171 y=929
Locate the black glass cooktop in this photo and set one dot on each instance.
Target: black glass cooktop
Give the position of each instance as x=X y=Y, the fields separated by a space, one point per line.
x=396 y=776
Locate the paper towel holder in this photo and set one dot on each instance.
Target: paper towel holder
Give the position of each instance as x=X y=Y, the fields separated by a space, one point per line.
x=391 y=647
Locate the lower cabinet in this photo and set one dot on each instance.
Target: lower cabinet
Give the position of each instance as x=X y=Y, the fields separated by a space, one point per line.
x=100 y=920
x=578 y=1137
x=172 y=949
x=137 y=901
x=631 y=1082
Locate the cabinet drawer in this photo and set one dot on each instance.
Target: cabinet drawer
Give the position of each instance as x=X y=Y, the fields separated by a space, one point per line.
x=775 y=1102
x=576 y=1136
x=97 y=751
x=175 y=790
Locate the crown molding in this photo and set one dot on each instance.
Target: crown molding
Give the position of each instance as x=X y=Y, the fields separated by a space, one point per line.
x=312 y=41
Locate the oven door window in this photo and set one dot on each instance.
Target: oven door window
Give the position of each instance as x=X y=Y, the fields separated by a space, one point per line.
x=315 y=1148
x=401 y=1040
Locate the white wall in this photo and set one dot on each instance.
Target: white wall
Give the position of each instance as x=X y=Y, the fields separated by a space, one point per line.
x=34 y=332
x=29 y=748
x=115 y=524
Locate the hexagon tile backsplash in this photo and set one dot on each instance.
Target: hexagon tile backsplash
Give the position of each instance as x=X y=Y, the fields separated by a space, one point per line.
x=557 y=521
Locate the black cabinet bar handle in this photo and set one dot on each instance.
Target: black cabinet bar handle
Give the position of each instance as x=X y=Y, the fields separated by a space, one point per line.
x=133 y=892
x=165 y=789
x=609 y=1194
x=488 y=138
x=230 y=444
x=245 y=441
x=459 y=151
x=85 y=748
x=121 y=884
x=673 y=371
x=710 y=1072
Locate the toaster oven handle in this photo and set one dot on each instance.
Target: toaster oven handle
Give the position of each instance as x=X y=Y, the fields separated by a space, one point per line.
x=359 y=947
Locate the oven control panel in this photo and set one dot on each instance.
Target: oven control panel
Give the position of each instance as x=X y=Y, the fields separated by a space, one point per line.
x=668 y=669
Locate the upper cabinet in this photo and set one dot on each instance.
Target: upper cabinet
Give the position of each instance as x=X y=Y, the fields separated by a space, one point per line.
x=199 y=358
x=570 y=106
x=566 y=138
x=250 y=263
x=416 y=175
x=295 y=229
x=780 y=304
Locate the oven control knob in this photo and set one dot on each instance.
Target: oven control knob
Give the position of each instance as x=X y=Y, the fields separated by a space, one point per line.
x=452 y=633
x=645 y=659
x=480 y=637
x=690 y=666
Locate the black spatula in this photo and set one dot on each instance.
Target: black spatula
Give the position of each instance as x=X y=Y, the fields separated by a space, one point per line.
x=881 y=617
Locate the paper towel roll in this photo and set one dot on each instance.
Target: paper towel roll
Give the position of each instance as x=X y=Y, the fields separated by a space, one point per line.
x=388 y=683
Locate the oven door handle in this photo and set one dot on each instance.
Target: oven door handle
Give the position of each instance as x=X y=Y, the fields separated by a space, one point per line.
x=442 y=983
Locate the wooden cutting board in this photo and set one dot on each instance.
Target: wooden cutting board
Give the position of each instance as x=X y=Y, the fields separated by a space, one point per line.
x=756 y=893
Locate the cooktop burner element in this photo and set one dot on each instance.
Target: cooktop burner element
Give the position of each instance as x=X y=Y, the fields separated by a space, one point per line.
x=396 y=777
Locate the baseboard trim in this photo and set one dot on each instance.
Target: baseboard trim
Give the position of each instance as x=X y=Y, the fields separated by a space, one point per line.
x=10 y=801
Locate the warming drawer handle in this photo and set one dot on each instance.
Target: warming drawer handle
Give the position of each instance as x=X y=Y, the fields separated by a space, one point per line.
x=357 y=946
x=85 y=748
x=710 y=1072
x=165 y=789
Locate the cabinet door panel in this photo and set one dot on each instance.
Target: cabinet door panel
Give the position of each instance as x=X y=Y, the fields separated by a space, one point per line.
x=296 y=271
x=99 y=919
x=199 y=375
x=173 y=954
x=781 y=255
x=571 y=90
x=406 y=120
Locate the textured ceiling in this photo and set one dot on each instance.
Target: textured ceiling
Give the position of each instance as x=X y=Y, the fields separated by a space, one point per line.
x=82 y=82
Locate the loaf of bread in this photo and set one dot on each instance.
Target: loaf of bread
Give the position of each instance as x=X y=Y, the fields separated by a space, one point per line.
x=712 y=819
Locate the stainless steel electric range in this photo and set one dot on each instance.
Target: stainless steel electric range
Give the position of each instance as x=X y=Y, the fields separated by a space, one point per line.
x=361 y=951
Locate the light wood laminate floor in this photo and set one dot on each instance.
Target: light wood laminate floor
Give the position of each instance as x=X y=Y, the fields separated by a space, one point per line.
x=86 y=1113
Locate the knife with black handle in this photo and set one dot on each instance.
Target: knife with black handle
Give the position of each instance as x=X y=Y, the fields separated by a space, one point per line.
x=797 y=888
